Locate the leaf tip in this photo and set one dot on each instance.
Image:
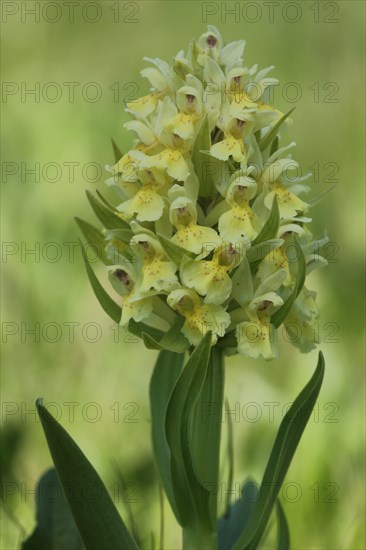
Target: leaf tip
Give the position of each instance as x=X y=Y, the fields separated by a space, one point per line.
x=39 y=402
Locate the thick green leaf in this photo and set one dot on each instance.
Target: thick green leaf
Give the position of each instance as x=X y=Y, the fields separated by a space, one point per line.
x=174 y=252
x=55 y=528
x=201 y=162
x=166 y=372
x=106 y=216
x=286 y=442
x=117 y=153
x=110 y=307
x=281 y=314
x=266 y=141
x=231 y=525
x=206 y=428
x=283 y=531
x=190 y=496
x=94 y=237
x=96 y=517
x=270 y=229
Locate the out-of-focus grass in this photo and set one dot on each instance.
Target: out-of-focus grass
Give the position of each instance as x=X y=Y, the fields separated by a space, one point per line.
x=108 y=379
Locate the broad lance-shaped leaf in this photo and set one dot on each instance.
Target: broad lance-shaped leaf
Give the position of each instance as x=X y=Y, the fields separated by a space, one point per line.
x=99 y=524
x=287 y=440
x=270 y=229
x=110 y=307
x=190 y=496
x=206 y=428
x=283 y=531
x=106 y=216
x=281 y=314
x=55 y=525
x=166 y=372
x=201 y=161
x=267 y=139
x=94 y=238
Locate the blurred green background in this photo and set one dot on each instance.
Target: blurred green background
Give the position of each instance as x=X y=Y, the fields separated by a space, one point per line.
x=82 y=66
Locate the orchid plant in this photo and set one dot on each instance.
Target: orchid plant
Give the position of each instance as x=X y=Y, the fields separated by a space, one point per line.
x=208 y=247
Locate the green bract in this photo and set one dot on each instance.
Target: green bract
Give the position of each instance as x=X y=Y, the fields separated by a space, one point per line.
x=211 y=233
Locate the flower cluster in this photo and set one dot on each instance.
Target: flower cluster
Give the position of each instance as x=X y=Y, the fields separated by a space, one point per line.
x=214 y=233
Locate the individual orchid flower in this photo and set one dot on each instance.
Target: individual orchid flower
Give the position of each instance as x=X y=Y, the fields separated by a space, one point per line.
x=257 y=336
x=148 y=202
x=300 y=322
x=134 y=305
x=199 y=317
x=232 y=144
x=157 y=272
x=278 y=258
x=239 y=224
x=274 y=182
x=210 y=277
x=209 y=45
x=189 y=235
x=189 y=103
x=163 y=81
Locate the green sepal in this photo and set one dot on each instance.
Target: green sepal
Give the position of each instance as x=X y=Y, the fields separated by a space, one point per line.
x=286 y=442
x=200 y=160
x=110 y=307
x=270 y=228
x=166 y=372
x=97 y=519
x=106 y=216
x=280 y=315
x=267 y=139
x=174 y=252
